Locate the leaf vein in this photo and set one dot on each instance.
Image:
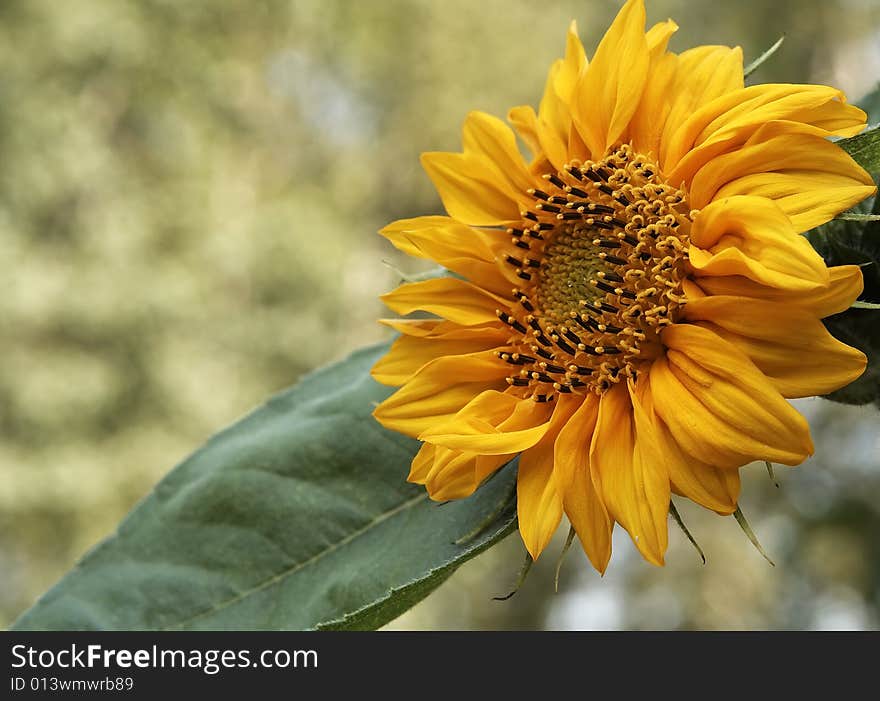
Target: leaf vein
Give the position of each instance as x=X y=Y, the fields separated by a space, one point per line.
x=274 y=579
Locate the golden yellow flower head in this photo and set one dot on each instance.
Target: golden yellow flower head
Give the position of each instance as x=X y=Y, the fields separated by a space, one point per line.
x=635 y=305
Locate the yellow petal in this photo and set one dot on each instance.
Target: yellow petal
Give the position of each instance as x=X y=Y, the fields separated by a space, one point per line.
x=630 y=470
x=721 y=409
x=581 y=501
x=844 y=287
x=577 y=149
x=539 y=499
x=572 y=66
x=650 y=117
x=408 y=354
x=835 y=118
x=702 y=74
x=808 y=200
x=396 y=232
x=469 y=188
x=525 y=121
x=589 y=518
x=494 y=423
x=818 y=106
x=439 y=390
x=573 y=443
x=554 y=120
x=492 y=140
x=691 y=289
x=421 y=328
x=421 y=464
x=752 y=237
x=733 y=141
x=452 y=474
x=451 y=298
x=538 y=506
x=708 y=486
x=605 y=98
x=810 y=178
x=441 y=329
x=734 y=117
x=658 y=36
x=790 y=346
x=447 y=471
x=457 y=247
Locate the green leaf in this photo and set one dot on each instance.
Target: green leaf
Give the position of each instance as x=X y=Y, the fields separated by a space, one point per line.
x=854 y=238
x=846 y=242
x=864 y=149
x=859 y=328
x=299 y=516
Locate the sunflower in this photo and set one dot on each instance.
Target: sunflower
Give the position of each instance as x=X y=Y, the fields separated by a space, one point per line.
x=631 y=309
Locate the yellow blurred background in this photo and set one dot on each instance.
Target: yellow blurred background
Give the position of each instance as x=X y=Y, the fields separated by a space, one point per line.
x=189 y=195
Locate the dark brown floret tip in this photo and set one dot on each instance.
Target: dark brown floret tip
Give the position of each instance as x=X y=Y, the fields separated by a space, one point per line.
x=583 y=307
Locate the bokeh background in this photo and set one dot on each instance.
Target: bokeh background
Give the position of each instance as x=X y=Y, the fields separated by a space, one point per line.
x=189 y=195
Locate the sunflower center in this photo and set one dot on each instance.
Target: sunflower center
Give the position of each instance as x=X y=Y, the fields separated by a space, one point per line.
x=602 y=255
x=570 y=270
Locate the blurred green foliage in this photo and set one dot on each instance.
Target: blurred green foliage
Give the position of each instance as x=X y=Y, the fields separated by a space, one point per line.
x=189 y=195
